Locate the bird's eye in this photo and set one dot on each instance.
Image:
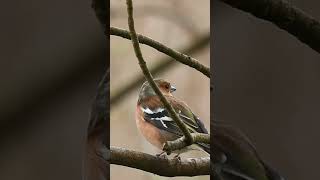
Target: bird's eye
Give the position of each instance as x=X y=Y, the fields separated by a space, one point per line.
x=167 y=86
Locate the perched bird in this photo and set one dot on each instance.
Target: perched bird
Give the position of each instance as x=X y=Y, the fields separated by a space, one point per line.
x=154 y=121
x=234 y=157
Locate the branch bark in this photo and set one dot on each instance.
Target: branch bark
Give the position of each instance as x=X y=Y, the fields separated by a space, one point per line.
x=180 y=143
x=164 y=65
x=184 y=59
x=159 y=165
x=285 y=16
x=147 y=74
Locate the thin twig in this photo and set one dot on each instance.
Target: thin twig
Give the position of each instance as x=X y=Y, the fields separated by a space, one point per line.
x=165 y=64
x=180 y=143
x=184 y=59
x=146 y=72
x=285 y=16
x=160 y=165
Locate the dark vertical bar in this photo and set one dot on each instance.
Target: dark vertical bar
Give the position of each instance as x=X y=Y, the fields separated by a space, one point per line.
x=212 y=88
x=98 y=138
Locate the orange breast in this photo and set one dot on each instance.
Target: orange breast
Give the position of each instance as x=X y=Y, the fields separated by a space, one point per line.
x=150 y=132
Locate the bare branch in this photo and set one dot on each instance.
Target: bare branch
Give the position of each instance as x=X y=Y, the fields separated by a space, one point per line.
x=159 y=165
x=180 y=143
x=165 y=64
x=184 y=59
x=285 y=16
x=147 y=74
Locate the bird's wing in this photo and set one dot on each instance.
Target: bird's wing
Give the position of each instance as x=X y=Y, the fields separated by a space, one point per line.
x=155 y=113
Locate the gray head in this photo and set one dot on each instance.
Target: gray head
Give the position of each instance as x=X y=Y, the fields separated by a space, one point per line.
x=164 y=86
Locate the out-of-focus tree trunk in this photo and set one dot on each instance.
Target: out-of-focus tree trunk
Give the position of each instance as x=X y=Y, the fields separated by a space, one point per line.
x=95 y=165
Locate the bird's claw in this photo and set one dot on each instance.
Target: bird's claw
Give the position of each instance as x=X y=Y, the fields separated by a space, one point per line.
x=177 y=157
x=162 y=155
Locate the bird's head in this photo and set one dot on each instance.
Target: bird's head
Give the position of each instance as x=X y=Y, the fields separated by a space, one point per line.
x=164 y=86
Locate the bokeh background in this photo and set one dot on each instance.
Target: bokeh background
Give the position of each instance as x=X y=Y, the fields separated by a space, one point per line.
x=267 y=84
x=177 y=24
x=53 y=54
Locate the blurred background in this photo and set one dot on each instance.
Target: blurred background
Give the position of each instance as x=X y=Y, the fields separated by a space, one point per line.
x=179 y=25
x=267 y=84
x=53 y=54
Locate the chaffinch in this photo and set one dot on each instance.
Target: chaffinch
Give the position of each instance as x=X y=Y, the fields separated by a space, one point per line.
x=234 y=156
x=154 y=121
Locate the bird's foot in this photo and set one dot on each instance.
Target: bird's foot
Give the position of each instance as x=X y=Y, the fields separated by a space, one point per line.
x=177 y=157
x=162 y=155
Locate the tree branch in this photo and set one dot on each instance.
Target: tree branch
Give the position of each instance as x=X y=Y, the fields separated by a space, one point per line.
x=147 y=74
x=285 y=16
x=159 y=165
x=180 y=143
x=184 y=59
x=164 y=65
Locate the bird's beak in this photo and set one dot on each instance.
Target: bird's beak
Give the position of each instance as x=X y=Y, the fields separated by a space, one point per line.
x=172 y=89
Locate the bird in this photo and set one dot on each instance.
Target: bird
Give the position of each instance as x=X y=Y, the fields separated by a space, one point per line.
x=234 y=157
x=155 y=123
